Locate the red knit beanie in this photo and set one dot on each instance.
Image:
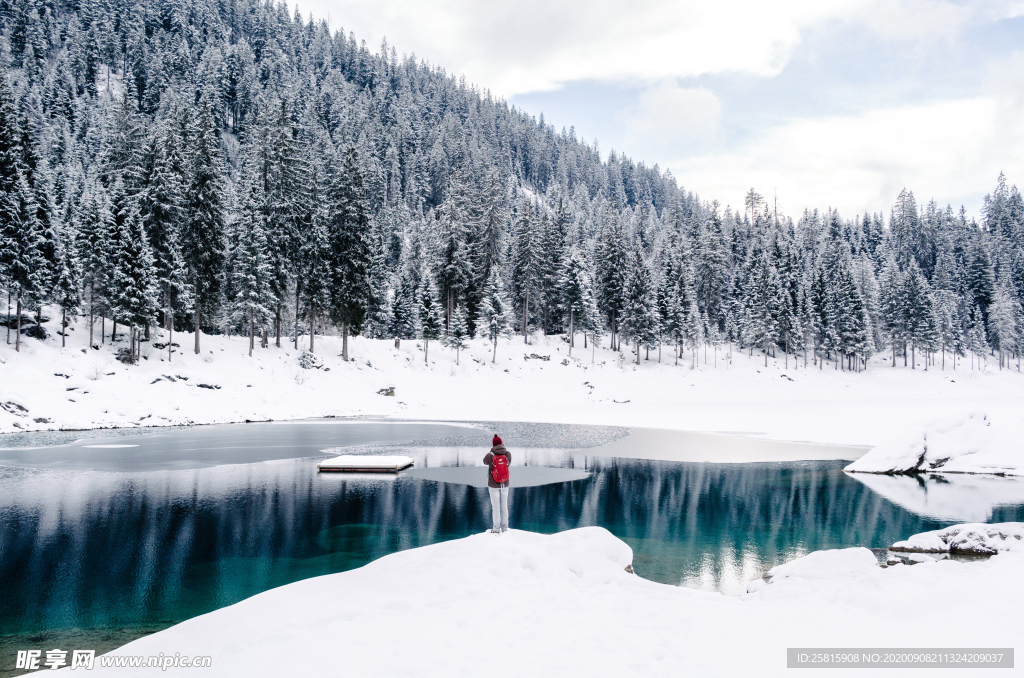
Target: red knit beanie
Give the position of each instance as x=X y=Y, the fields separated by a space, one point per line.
x=496 y=441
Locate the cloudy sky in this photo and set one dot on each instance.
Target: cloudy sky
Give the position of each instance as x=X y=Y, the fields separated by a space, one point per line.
x=823 y=103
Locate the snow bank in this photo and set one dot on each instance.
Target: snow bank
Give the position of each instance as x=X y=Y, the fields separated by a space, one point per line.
x=522 y=603
x=968 y=538
x=968 y=444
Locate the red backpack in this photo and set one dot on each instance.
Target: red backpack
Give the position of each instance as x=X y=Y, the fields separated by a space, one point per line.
x=499 y=468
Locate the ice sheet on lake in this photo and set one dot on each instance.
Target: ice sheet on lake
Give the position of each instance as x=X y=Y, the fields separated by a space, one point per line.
x=519 y=476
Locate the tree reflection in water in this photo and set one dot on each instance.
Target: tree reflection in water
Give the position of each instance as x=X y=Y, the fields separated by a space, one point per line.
x=139 y=551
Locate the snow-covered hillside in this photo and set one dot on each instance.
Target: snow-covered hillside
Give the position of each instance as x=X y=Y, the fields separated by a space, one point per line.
x=48 y=387
x=523 y=603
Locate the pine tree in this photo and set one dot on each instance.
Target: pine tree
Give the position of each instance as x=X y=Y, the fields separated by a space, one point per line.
x=891 y=308
x=431 y=314
x=640 y=315
x=457 y=336
x=348 y=228
x=316 y=288
x=525 y=265
x=917 y=313
x=495 y=312
x=577 y=291
x=612 y=263
x=254 y=299
x=1004 y=324
x=132 y=284
x=67 y=287
x=203 y=238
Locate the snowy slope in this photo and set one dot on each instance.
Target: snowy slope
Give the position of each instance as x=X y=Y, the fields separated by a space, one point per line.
x=875 y=407
x=564 y=605
x=973 y=443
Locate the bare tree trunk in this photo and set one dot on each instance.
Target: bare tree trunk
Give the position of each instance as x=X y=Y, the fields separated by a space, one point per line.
x=252 y=331
x=277 y=324
x=195 y=315
x=297 y=317
x=63 y=327
x=113 y=331
x=312 y=332
x=344 y=341
x=494 y=356
x=103 y=328
x=570 y=332
x=426 y=351
x=9 y=320
x=17 y=334
x=170 y=337
x=526 y=318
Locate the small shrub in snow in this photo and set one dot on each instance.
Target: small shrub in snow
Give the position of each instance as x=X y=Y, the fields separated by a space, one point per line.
x=310 y=361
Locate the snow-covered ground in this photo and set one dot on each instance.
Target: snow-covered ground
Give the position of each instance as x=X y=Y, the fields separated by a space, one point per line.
x=523 y=604
x=972 y=443
x=879 y=407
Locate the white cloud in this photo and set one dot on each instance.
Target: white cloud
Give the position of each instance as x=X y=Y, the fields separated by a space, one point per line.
x=668 y=119
x=538 y=45
x=949 y=150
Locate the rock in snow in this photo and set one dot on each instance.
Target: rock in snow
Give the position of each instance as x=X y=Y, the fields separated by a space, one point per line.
x=976 y=538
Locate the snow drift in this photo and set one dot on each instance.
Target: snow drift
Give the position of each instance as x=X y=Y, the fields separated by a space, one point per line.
x=965 y=444
x=564 y=604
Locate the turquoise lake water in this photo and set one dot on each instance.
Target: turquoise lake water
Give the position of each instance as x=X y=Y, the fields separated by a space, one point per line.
x=90 y=559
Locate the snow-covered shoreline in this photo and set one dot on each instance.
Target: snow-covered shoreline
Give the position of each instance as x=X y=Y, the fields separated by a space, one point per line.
x=46 y=387
x=564 y=604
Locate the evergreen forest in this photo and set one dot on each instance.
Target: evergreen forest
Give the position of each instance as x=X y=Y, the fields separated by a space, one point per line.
x=226 y=166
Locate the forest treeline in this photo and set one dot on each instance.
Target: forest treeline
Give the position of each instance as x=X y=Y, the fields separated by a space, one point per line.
x=226 y=166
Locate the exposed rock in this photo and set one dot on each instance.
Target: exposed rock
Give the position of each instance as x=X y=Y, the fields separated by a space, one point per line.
x=14 y=408
x=209 y=386
x=389 y=391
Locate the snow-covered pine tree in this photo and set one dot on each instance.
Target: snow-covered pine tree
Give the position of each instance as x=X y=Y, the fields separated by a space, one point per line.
x=891 y=308
x=976 y=340
x=404 y=307
x=575 y=286
x=348 y=229
x=495 y=312
x=1005 y=324
x=431 y=314
x=457 y=336
x=917 y=314
x=525 y=265
x=203 y=237
x=762 y=303
x=640 y=313
x=316 y=276
x=379 y=303
x=132 y=283
x=67 y=288
x=458 y=224
x=254 y=299
x=93 y=243
x=612 y=263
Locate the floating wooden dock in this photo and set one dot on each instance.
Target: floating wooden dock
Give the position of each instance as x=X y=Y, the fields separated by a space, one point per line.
x=354 y=463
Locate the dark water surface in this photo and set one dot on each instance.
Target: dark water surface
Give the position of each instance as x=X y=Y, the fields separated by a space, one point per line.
x=92 y=559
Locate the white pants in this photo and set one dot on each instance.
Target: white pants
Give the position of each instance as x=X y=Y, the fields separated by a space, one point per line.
x=499 y=507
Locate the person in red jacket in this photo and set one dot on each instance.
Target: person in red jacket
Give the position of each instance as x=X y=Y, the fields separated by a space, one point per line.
x=498 y=461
